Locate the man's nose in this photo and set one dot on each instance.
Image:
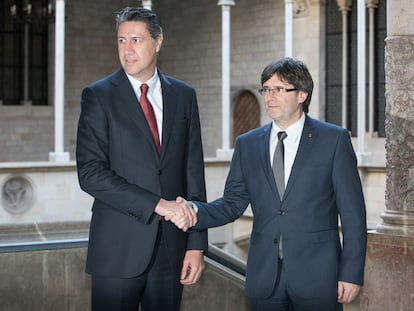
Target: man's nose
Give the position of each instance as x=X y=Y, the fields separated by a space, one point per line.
x=129 y=47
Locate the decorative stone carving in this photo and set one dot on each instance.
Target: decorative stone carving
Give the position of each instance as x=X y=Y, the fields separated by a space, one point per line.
x=301 y=8
x=17 y=195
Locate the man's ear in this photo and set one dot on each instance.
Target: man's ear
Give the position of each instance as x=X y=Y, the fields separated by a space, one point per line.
x=158 y=43
x=302 y=96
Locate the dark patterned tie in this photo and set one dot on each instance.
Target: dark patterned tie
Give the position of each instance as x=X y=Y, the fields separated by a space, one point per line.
x=150 y=116
x=279 y=164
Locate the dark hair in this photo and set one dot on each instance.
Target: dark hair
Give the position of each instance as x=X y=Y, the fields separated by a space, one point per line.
x=294 y=72
x=138 y=14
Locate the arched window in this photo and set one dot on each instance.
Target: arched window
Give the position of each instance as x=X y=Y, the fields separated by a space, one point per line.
x=246 y=113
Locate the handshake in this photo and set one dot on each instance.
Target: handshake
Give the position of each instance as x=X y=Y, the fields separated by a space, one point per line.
x=179 y=212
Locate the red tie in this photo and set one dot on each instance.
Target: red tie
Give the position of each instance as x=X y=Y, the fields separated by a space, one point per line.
x=150 y=116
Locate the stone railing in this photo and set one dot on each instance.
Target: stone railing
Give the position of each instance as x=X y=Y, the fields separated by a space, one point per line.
x=49 y=275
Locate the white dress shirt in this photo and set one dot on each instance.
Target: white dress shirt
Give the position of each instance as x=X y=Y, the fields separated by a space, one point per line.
x=291 y=143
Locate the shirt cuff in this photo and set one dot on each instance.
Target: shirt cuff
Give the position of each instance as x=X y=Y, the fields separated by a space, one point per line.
x=195 y=207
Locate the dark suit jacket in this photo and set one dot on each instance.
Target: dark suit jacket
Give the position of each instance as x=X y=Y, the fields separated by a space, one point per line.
x=324 y=182
x=118 y=165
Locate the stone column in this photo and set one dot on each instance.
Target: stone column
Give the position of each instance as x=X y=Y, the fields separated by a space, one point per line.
x=389 y=270
x=398 y=217
x=225 y=152
x=371 y=6
x=59 y=155
x=344 y=6
x=361 y=80
x=288 y=28
x=147 y=4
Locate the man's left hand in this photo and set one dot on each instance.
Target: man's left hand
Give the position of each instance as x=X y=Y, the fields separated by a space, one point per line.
x=193 y=267
x=347 y=292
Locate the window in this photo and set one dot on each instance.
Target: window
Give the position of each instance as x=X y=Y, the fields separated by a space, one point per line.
x=24 y=51
x=334 y=67
x=246 y=115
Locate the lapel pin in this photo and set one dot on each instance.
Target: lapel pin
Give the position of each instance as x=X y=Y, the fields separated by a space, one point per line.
x=310 y=135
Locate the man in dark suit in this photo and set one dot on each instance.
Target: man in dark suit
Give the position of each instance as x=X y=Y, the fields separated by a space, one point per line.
x=296 y=260
x=134 y=256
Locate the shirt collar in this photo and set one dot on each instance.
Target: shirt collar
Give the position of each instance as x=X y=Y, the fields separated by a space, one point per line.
x=294 y=131
x=153 y=82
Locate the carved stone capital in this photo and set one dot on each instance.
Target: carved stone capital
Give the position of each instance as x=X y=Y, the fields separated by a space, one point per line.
x=371 y=4
x=226 y=2
x=344 y=5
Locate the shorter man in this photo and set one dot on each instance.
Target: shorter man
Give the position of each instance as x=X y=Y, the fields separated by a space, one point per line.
x=296 y=260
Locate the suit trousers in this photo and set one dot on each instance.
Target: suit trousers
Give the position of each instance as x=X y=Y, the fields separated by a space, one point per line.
x=283 y=299
x=156 y=289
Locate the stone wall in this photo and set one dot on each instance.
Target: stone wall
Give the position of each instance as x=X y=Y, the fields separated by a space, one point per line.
x=44 y=280
x=36 y=193
x=54 y=279
x=26 y=133
x=53 y=201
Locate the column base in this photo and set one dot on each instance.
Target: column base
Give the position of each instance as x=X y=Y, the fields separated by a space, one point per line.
x=224 y=154
x=59 y=156
x=397 y=223
x=389 y=273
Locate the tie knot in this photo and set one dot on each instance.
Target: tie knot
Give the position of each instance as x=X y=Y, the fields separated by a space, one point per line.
x=281 y=135
x=144 y=88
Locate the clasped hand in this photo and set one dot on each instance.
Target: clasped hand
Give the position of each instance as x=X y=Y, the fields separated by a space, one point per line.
x=179 y=212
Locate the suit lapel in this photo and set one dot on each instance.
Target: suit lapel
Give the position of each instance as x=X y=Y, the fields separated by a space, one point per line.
x=169 y=98
x=263 y=142
x=309 y=135
x=130 y=103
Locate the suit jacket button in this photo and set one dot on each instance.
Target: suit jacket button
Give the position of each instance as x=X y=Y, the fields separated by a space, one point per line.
x=159 y=172
x=275 y=241
x=282 y=213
